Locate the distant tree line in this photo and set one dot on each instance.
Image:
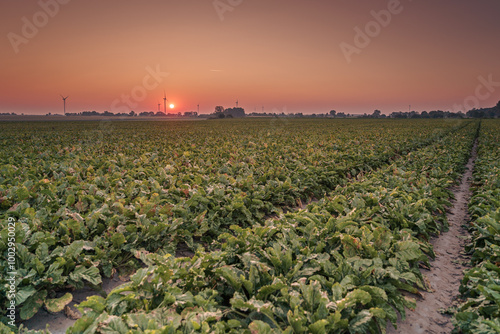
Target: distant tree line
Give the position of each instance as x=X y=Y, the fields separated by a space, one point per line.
x=425 y=114
x=104 y=113
x=400 y=114
x=335 y=114
x=133 y=114
x=220 y=112
x=493 y=112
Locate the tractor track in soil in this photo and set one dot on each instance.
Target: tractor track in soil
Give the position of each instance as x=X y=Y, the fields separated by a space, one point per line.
x=447 y=268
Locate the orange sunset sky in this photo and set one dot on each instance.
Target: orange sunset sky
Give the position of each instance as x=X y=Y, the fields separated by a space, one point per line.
x=288 y=56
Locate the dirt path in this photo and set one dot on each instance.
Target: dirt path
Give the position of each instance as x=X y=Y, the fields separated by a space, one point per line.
x=447 y=269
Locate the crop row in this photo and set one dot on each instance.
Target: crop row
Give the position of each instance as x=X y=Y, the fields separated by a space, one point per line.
x=86 y=201
x=480 y=288
x=340 y=266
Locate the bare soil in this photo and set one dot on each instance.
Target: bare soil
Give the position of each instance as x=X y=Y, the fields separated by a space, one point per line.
x=61 y=321
x=447 y=269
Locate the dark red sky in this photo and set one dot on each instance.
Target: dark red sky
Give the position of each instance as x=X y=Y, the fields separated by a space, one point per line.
x=283 y=55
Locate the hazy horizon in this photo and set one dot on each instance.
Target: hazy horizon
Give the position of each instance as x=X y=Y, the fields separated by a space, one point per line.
x=284 y=56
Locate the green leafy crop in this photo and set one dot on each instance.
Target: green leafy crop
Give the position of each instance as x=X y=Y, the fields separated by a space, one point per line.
x=89 y=203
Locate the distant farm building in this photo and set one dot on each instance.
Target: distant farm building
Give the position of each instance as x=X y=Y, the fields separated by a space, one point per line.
x=234 y=112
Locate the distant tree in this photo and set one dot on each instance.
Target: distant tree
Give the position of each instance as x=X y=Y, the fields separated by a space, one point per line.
x=414 y=114
x=399 y=114
x=333 y=112
x=436 y=114
x=376 y=113
x=219 y=109
x=132 y=113
x=475 y=113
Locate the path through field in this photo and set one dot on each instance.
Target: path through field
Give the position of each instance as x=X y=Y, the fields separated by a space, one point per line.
x=447 y=269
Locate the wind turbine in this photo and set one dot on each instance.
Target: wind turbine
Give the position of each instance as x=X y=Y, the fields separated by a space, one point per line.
x=165 y=102
x=64 y=101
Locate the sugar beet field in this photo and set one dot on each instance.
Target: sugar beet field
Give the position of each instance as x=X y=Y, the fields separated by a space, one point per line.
x=250 y=226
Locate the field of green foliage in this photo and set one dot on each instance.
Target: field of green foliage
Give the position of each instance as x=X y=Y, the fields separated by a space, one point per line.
x=91 y=199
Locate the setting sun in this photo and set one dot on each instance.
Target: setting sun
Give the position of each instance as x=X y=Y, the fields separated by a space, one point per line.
x=171 y=106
